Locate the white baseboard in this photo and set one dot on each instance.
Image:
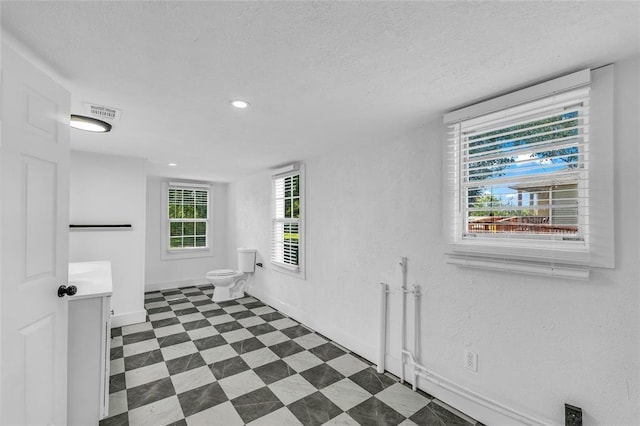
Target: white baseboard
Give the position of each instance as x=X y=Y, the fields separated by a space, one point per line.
x=359 y=346
x=285 y=308
x=168 y=285
x=128 y=318
x=466 y=401
x=471 y=403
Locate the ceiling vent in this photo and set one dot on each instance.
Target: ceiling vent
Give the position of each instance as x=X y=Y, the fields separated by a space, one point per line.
x=103 y=112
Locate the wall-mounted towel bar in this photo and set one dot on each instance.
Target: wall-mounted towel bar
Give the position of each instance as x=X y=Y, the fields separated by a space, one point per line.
x=114 y=227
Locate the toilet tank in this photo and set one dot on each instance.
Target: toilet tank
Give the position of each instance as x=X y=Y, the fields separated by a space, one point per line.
x=246 y=260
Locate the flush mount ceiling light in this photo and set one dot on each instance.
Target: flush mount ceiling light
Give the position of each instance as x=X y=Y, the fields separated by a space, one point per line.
x=172 y=164
x=89 y=124
x=240 y=104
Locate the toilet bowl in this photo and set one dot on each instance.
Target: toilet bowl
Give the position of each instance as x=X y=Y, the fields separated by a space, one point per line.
x=229 y=284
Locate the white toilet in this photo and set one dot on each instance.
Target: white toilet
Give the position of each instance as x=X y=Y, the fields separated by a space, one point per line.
x=230 y=284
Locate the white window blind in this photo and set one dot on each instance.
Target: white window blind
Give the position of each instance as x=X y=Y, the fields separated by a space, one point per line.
x=286 y=221
x=529 y=178
x=523 y=173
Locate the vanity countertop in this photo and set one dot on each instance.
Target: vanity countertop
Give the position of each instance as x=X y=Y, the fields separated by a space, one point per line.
x=93 y=279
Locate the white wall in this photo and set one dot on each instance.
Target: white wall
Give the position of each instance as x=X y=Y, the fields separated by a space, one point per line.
x=541 y=342
x=162 y=273
x=106 y=189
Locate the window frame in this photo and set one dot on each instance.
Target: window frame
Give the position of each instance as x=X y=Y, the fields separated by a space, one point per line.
x=544 y=256
x=283 y=173
x=168 y=253
x=572 y=242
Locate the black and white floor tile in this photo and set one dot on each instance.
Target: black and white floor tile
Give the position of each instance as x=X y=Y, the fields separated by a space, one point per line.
x=196 y=362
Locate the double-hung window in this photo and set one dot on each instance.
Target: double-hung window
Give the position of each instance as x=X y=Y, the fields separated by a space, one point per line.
x=187 y=230
x=524 y=171
x=520 y=177
x=287 y=221
x=188 y=216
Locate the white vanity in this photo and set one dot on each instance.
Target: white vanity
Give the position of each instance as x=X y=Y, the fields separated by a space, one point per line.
x=89 y=342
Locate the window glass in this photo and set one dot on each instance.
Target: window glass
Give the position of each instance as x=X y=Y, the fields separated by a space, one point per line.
x=524 y=171
x=188 y=215
x=286 y=227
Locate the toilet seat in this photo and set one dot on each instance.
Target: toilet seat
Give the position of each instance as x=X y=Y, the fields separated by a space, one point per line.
x=221 y=273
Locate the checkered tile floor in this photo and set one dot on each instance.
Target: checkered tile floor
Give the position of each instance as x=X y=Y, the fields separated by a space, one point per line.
x=196 y=362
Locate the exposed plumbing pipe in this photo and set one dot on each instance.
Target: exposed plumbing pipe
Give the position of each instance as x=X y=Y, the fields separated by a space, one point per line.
x=419 y=370
x=382 y=336
x=416 y=342
x=416 y=329
x=403 y=337
x=464 y=392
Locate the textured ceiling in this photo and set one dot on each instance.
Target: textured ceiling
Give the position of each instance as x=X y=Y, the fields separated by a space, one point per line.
x=319 y=75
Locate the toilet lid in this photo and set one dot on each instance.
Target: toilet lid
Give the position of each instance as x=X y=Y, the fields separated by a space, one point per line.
x=221 y=272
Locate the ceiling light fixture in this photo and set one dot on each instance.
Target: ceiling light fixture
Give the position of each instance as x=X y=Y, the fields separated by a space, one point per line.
x=172 y=164
x=89 y=124
x=240 y=104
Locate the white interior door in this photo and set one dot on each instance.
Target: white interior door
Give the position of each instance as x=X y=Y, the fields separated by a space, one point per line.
x=34 y=198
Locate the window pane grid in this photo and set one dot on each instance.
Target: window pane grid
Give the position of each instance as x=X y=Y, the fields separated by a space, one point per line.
x=188 y=216
x=286 y=221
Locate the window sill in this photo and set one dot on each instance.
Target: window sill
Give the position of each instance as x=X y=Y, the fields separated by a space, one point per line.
x=537 y=267
x=294 y=271
x=558 y=251
x=193 y=253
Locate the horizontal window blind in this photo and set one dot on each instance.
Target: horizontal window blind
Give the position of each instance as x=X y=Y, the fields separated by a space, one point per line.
x=522 y=173
x=286 y=224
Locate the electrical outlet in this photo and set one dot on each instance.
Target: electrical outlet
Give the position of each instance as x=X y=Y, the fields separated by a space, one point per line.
x=572 y=415
x=471 y=361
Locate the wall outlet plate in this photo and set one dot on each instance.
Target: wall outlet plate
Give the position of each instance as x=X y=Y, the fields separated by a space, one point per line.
x=572 y=415
x=471 y=361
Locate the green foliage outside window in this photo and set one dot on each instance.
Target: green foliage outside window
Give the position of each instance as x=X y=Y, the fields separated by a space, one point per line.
x=513 y=140
x=188 y=214
x=292 y=210
x=286 y=217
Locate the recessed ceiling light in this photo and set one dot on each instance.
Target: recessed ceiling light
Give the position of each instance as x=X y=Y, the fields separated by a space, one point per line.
x=240 y=104
x=89 y=124
x=172 y=164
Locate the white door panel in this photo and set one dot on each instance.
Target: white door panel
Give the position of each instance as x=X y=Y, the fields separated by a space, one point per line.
x=34 y=197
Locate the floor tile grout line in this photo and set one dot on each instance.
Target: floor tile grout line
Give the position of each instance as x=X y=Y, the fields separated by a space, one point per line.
x=290 y=338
